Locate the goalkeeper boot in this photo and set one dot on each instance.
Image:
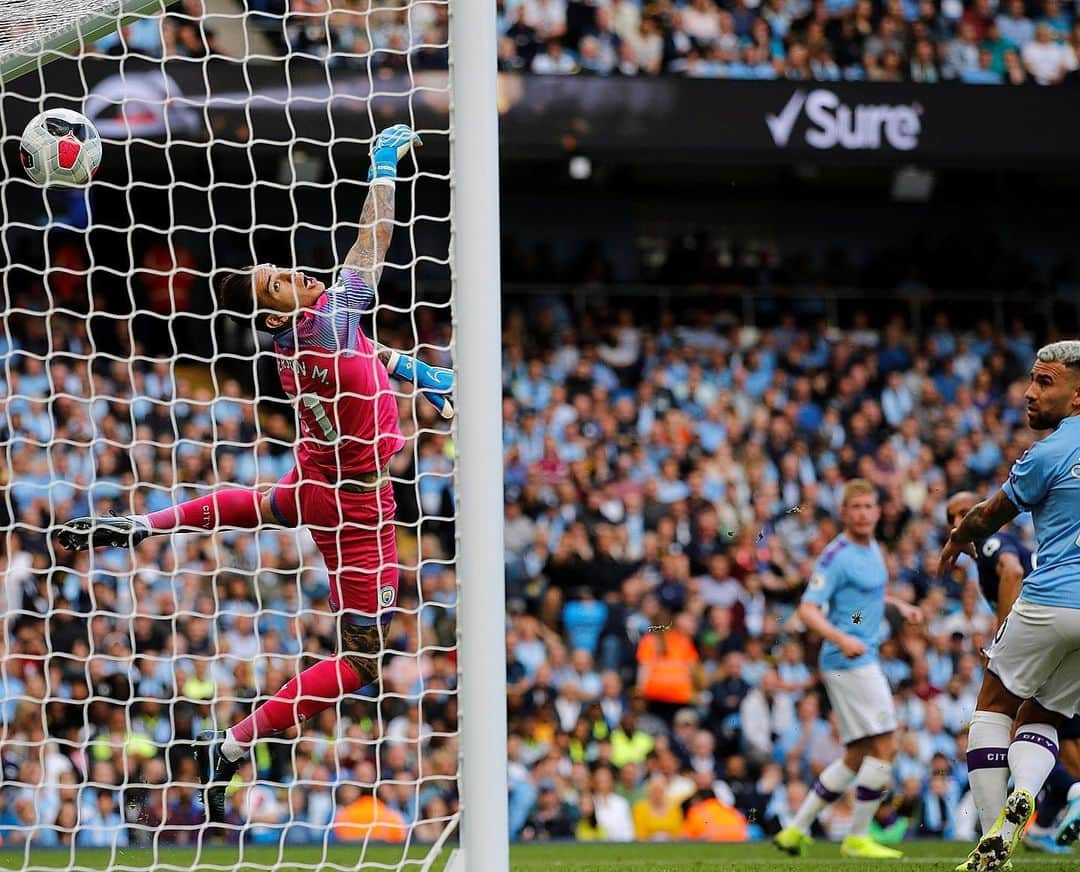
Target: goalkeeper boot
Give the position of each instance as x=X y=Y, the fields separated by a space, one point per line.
x=115 y=532
x=215 y=772
x=433 y=382
x=792 y=841
x=997 y=846
x=867 y=848
x=390 y=146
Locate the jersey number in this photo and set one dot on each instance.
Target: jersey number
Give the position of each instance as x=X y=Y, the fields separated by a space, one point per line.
x=313 y=403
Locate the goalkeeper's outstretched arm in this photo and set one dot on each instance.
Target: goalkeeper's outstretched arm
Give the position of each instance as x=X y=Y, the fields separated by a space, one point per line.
x=368 y=253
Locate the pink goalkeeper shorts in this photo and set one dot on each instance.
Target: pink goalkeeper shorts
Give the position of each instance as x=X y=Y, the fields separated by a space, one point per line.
x=356 y=535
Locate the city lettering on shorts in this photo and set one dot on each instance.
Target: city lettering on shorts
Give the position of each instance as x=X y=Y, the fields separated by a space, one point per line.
x=833 y=123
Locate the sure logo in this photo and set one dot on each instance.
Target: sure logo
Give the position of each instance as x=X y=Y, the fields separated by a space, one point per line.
x=833 y=123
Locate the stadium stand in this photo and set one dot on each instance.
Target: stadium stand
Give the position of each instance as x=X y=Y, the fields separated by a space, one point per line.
x=924 y=41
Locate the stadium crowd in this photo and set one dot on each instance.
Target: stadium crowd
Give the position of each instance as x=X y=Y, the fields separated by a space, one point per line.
x=924 y=41
x=668 y=486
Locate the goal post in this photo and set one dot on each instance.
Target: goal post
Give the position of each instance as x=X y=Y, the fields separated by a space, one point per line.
x=109 y=662
x=474 y=176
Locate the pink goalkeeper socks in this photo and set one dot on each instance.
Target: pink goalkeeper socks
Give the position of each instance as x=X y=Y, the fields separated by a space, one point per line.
x=313 y=690
x=232 y=507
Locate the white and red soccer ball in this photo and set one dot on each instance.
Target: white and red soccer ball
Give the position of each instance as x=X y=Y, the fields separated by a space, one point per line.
x=60 y=147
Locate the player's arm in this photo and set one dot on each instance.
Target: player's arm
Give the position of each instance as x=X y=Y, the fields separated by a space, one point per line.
x=984 y=519
x=814 y=619
x=368 y=253
x=1010 y=576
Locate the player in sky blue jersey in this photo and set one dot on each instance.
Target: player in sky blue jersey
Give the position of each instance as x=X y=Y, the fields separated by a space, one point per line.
x=844 y=603
x=1003 y=561
x=1034 y=661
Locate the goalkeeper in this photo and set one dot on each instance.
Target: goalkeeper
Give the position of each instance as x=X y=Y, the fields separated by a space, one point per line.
x=340 y=488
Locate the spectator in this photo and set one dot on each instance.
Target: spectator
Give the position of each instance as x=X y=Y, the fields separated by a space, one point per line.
x=1057 y=19
x=648 y=47
x=701 y=22
x=552 y=818
x=1014 y=25
x=612 y=811
x=361 y=817
x=670 y=670
x=554 y=60
x=629 y=744
x=1047 y=61
x=709 y=819
x=985 y=74
x=102 y=826
x=963 y=53
x=589 y=828
x=656 y=817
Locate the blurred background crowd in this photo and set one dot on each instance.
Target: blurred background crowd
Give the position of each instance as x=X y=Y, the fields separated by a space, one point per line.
x=926 y=41
x=669 y=483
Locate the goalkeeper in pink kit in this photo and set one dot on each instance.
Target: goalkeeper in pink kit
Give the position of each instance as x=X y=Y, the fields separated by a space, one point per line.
x=340 y=488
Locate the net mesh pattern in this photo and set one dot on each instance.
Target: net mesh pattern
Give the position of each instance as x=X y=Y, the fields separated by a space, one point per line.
x=230 y=139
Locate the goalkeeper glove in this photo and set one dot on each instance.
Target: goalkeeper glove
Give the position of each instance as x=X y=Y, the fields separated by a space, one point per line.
x=388 y=148
x=433 y=382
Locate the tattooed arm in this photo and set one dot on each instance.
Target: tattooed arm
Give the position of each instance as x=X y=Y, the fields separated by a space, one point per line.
x=984 y=519
x=368 y=253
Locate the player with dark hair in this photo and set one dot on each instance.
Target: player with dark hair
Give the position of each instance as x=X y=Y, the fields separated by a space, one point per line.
x=340 y=488
x=1003 y=561
x=1030 y=689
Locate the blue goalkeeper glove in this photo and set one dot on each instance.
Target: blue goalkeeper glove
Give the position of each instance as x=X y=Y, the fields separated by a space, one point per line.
x=390 y=146
x=434 y=382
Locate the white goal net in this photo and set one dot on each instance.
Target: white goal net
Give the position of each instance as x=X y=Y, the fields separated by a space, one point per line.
x=234 y=134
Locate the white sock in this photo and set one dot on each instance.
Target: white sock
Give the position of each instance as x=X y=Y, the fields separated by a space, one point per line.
x=870 y=787
x=833 y=781
x=1074 y=792
x=988 y=763
x=1032 y=755
x=232 y=749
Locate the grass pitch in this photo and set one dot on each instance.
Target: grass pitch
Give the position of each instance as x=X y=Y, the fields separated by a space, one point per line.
x=678 y=857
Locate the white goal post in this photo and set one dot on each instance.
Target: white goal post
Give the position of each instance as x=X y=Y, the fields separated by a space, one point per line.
x=211 y=161
x=475 y=261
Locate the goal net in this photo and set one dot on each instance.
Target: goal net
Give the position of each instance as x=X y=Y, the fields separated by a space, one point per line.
x=234 y=134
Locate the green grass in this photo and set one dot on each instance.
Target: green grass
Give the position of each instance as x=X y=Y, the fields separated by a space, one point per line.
x=655 y=857
x=682 y=857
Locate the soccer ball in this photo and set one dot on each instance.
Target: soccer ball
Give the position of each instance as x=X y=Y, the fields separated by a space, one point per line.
x=60 y=147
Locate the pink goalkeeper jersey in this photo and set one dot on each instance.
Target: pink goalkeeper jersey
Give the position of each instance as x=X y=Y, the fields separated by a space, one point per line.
x=348 y=413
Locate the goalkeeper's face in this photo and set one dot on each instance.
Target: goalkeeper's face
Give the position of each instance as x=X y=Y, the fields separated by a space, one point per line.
x=287 y=291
